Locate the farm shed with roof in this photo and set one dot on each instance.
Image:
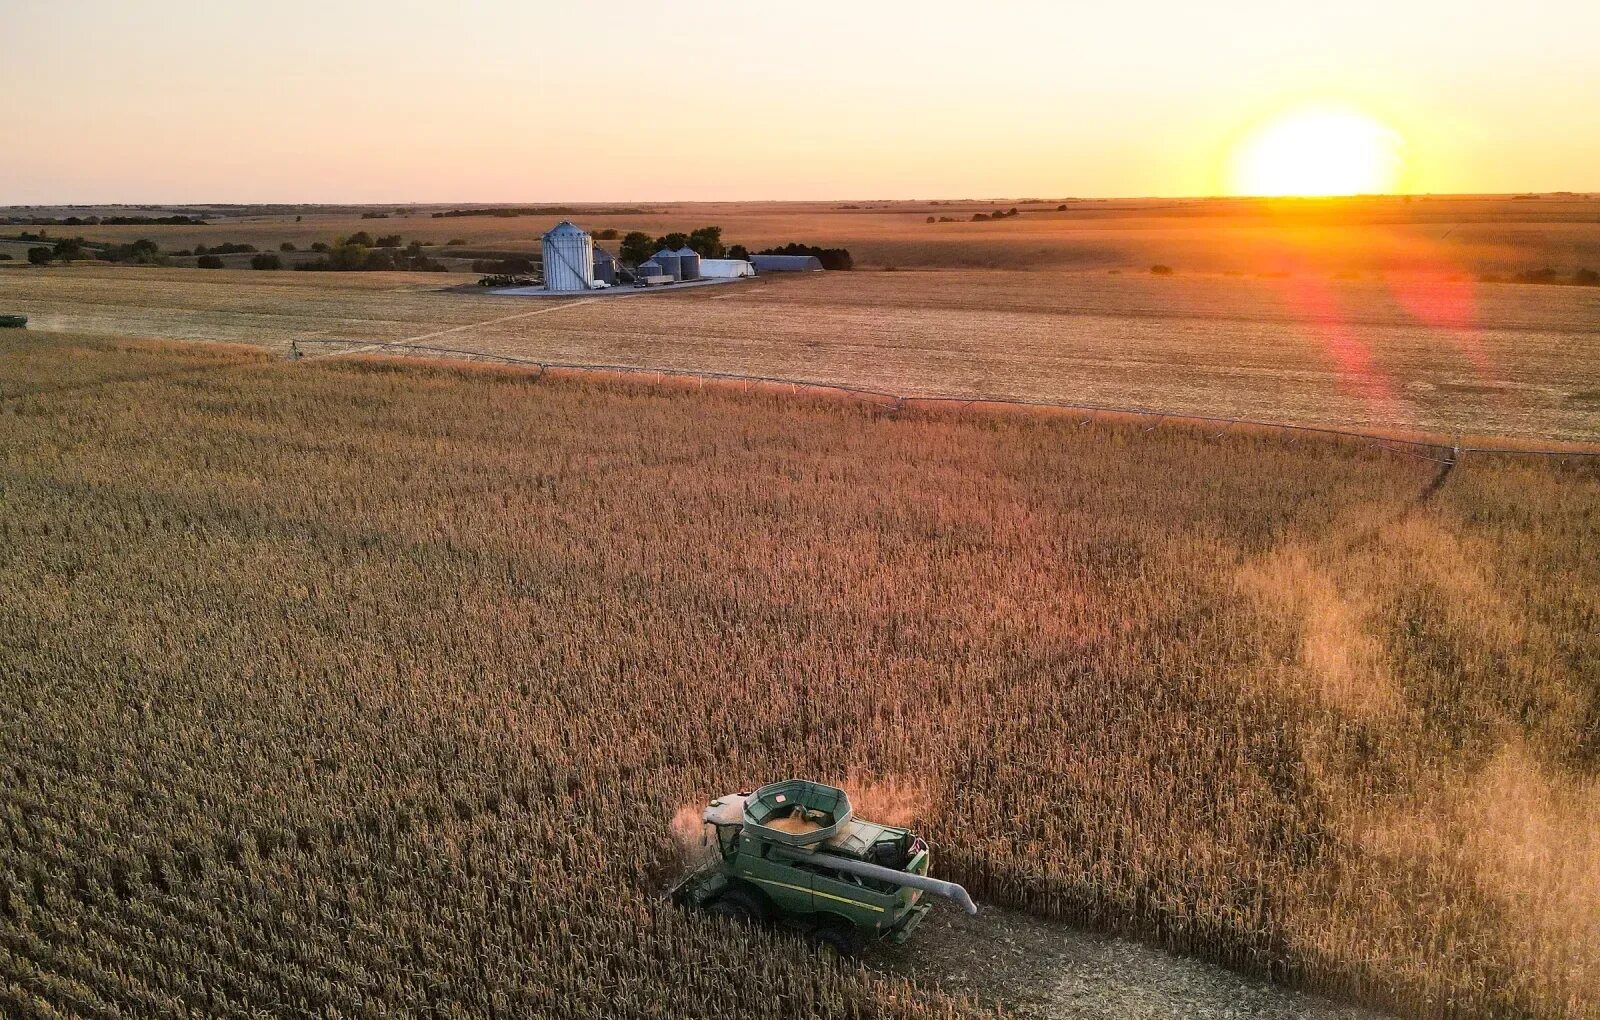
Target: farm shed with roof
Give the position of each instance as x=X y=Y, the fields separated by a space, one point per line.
x=786 y=263
x=725 y=269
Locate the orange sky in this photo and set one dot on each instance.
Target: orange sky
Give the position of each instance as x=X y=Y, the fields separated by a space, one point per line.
x=525 y=101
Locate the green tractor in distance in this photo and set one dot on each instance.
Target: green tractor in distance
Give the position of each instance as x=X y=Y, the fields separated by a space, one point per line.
x=794 y=854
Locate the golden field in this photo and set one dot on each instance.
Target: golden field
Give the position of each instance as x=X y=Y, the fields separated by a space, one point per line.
x=372 y=688
x=1399 y=353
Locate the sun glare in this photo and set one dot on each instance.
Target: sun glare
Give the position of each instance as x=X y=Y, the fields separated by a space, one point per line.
x=1317 y=151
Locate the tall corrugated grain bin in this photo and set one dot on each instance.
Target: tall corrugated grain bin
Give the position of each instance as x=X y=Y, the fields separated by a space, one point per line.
x=568 y=258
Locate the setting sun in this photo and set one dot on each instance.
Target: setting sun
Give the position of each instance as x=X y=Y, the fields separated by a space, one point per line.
x=1317 y=151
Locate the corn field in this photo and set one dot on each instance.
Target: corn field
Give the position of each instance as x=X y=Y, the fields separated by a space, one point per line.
x=354 y=688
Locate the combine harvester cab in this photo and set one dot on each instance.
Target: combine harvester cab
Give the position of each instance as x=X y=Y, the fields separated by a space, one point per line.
x=793 y=853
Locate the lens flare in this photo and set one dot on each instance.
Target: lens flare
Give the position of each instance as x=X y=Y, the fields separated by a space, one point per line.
x=1317 y=151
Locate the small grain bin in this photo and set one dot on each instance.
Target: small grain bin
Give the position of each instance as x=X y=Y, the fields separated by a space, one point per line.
x=688 y=263
x=669 y=262
x=648 y=273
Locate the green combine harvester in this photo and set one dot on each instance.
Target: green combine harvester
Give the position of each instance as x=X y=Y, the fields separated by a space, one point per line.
x=794 y=854
x=13 y=321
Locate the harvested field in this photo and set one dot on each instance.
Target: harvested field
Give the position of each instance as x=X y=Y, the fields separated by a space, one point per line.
x=324 y=681
x=1404 y=354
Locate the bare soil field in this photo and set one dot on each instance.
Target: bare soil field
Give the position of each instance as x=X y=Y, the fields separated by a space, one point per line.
x=370 y=687
x=1403 y=353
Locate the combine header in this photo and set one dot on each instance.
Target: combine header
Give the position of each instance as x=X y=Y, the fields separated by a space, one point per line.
x=793 y=853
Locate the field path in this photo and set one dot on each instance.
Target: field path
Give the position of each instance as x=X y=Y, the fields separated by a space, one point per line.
x=1044 y=970
x=489 y=322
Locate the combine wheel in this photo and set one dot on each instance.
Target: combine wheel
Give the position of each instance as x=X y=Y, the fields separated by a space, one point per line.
x=739 y=905
x=839 y=939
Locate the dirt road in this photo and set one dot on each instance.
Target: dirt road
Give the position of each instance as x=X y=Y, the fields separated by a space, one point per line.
x=1044 y=971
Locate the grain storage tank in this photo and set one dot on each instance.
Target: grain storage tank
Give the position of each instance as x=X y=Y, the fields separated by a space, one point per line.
x=668 y=260
x=605 y=266
x=648 y=274
x=568 y=258
x=688 y=263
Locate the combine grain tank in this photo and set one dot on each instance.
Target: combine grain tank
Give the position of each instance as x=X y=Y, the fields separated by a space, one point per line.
x=688 y=263
x=568 y=258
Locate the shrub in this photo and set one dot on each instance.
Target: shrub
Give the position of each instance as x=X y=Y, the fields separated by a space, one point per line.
x=348 y=256
x=388 y=241
x=286 y=246
x=40 y=256
x=209 y=262
x=266 y=260
x=456 y=240
x=144 y=252
x=1586 y=278
x=320 y=246
x=1161 y=270
x=5 y=256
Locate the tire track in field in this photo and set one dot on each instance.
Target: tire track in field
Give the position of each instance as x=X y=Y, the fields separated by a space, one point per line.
x=479 y=325
x=381 y=344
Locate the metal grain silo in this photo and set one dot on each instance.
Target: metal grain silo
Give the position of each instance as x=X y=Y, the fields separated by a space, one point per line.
x=669 y=262
x=605 y=266
x=568 y=258
x=647 y=273
x=688 y=263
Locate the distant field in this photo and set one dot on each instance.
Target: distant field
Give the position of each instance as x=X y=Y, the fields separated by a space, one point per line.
x=1434 y=236
x=1397 y=353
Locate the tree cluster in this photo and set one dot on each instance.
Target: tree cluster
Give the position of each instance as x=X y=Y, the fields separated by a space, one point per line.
x=108 y=221
x=706 y=242
x=357 y=254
